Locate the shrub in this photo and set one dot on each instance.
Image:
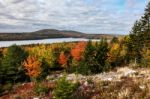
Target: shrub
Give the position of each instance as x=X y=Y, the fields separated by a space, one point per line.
x=41 y=89
x=64 y=89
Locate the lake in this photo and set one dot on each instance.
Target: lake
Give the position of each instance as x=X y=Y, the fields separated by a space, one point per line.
x=42 y=41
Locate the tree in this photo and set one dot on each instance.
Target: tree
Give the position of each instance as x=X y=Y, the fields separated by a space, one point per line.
x=78 y=50
x=87 y=65
x=33 y=66
x=44 y=53
x=136 y=43
x=114 y=53
x=12 y=64
x=101 y=55
x=145 y=19
x=140 y=35
x=63 y=59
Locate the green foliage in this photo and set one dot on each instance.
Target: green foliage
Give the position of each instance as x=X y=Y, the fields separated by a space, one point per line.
x=40 y=89
x=114 y=40
x=5 y=88
x=139 y=36
x=64 y=89
x=45 y=70
x=12 y=69
x=101 y=55
x=88 y=64
x=145 y=57
x=95 y=57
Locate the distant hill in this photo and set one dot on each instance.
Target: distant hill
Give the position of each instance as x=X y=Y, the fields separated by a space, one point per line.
x=50 y=33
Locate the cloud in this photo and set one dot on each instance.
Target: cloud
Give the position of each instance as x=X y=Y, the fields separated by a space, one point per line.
x=89 y=16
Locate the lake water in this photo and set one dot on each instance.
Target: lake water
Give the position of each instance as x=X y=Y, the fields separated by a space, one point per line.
x=43 y=41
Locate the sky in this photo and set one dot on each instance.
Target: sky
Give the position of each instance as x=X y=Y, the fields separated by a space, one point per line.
x=88 y=16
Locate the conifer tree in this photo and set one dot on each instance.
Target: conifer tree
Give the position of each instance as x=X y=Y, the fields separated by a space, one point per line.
x=12 y=64
x=101 y=55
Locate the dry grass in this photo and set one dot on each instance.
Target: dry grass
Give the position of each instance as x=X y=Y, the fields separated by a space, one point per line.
x=136 y=86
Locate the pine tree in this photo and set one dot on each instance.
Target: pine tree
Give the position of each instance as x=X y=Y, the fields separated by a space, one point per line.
x=136 y=42
x=12 y=64
x=146 y=26
x=87 y=65
x=101 y=55
x=140 y=35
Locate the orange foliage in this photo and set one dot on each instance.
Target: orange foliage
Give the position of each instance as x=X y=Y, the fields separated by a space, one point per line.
x=62 y=59
x=33 y=66
x=77 y=51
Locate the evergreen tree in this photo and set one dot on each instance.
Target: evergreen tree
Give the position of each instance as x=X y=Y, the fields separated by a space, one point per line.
x=87 y=65
x=12 y=64
x=140 y=35
x=145 y=34
x=94 y=58
x=101 y=55
x=135 y=45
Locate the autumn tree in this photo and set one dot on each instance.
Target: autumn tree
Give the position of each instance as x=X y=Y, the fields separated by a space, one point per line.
x=45 y=53
x=33 y=66
x=78 y=50
x=63 y=59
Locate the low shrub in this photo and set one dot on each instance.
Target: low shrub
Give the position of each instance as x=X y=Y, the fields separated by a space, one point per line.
x=64 y=89
x=40 y=89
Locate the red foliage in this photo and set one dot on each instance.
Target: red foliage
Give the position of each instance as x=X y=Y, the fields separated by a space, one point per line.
x=62 y=59
x=77 y=51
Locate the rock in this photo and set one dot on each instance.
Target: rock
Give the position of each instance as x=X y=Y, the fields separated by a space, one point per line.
x=85 y=83
x=142 y=87
x=125 y=71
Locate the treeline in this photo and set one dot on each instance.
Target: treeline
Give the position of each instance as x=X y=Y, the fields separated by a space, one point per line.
x=50 y=33
x=25 y=63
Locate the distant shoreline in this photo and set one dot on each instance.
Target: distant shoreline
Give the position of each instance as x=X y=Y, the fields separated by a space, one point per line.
x=42 y=41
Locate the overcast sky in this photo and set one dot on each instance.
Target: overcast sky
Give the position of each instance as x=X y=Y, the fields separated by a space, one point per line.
x=88 y=16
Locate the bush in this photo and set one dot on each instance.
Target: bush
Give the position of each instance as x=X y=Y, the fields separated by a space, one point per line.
x=64 y=89
x=40 y=89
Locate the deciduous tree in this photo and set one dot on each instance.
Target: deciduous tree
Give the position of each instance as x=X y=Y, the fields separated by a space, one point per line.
x=33 y=66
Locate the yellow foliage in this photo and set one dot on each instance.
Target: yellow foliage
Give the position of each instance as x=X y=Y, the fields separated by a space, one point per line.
x=146 y=57
x=33 y=66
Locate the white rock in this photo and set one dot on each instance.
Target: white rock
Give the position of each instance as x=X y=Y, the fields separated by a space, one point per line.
x=85 y=83
x=142 y=87
x=36 y=98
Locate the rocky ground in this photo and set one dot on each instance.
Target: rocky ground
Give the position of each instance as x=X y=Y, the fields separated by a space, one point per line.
x=121 y=83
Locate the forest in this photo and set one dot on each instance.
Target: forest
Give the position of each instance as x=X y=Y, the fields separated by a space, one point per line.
x=26 y=71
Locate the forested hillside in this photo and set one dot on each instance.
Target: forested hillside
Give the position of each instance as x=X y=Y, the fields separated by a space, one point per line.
x=51 y=33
